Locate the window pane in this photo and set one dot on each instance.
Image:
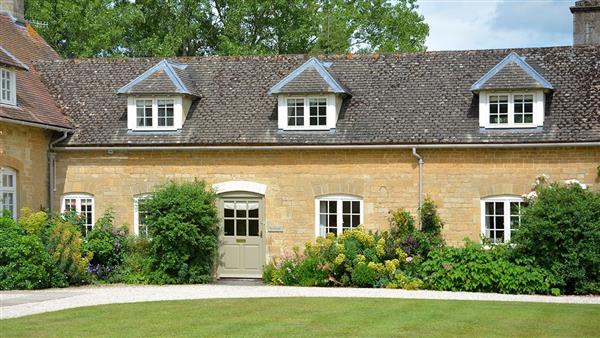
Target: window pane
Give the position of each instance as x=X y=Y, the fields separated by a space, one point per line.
x=240 y=209
x=528 y=118
x=253 y=209
x=332 y=206
x=323 y=220
x=347 y=223
x=228 y=227
x=355 y=220
x=253 y=227
x=500 y=222
x=240 y=227
x=518 y=118
x=356 y=207
x=346 y=207
x=489 y=208
x=228 y=209
x=499 y=208
x=332 y=220
x=323 y=206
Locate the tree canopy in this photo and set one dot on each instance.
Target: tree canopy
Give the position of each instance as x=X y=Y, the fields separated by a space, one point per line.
x=92 y=28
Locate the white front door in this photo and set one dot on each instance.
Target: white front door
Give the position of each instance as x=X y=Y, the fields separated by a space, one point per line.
x=242 y=250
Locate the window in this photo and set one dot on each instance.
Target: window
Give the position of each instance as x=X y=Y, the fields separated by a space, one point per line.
x=241 y=218
x=318 y=112
x=165 y=113
x=8 y=191
x=334 y=214
x=523 y=108
x=140 y=228
x=83 y=204
x=512 y=110
x=498 y=109
x=8 y=87
x=151 y=114
x=500 y=217
x=143 y=113
x=295 y=108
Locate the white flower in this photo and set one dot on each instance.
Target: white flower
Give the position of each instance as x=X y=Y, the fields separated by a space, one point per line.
x=531 y=195
x=574 y=181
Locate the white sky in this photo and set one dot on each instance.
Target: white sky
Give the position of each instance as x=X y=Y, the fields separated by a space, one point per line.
x=480 y=24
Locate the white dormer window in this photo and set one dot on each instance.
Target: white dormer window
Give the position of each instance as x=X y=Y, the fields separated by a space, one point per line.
x=511 y=110
x=8 y=87
x=156 y=114
x=308 y=112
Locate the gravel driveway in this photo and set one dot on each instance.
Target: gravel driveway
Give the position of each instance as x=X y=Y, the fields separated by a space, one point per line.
x=22 y=303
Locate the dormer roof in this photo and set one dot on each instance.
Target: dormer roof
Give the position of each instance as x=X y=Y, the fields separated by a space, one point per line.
x=6 y=58
x=310 y=77
x=513 y=72
x=165 y=77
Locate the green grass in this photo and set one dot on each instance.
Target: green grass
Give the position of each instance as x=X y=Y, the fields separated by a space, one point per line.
x=313 y=317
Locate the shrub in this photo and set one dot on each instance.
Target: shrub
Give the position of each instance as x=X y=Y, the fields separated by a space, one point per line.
x=136 y=264
x=431 y=222
x=560 y=231
x=64 y=245
x=107 y=245
x=355 y=258
x=483 y=269
x=183 y=224
x=34 y=223
x=24 y=262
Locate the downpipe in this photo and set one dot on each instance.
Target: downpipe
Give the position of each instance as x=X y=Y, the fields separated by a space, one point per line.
x=420 y=158
x=52 y=170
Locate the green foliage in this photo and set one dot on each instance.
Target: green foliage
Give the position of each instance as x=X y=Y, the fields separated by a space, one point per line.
x=355 y=258
x=183 y=224
x=82 y=28
x=431 y=222
x=560 y=231
x=136 y=266
x=107 y=245
x=24 y=262
x=65 y=248
x=33 y=222
x=477 y=268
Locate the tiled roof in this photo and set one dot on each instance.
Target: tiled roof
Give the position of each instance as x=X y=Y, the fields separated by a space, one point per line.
x=34 y=102
x=512 y=73
x=406 y=98
x=163 y=78
x=7 y=59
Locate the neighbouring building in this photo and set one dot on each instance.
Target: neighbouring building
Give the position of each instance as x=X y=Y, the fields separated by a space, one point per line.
x=299 y=146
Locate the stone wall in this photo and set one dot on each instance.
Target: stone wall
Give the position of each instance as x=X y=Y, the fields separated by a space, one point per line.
x=385 y=179
x=24 y=149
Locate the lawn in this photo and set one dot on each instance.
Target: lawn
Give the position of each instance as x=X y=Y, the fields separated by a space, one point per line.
x=314 y=317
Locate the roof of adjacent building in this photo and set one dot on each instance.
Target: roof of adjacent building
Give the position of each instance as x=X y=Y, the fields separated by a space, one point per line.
x=21 y=47
x=404 y=98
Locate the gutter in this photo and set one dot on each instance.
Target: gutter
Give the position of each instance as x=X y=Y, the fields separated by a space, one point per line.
x=52 y=169
x=418 y=157
x=333 y=147
x=34 y=124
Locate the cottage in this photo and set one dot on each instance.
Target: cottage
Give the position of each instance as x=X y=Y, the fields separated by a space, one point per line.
x=299 y=146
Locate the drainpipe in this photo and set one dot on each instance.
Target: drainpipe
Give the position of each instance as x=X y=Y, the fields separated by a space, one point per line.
x=52 y=170
x=418 y=157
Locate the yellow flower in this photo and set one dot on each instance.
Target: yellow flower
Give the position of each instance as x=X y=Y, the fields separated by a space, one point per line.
x=339 y=260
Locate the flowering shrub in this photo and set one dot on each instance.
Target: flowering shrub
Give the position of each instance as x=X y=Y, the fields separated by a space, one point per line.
x=560 y=232
x=355 y=258
x=107 y=245
x=64 y=244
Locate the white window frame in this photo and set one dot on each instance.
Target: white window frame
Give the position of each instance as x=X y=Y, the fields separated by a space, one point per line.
x=319 y=231
x=9 y=190
x=78 y=197
x=538 y=109
x=136 y=215
x=178 y=103
x=12 y=90
x=507 y=200
x=333 y=104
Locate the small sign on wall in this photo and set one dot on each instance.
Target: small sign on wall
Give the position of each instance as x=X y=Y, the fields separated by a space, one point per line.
x=275 y=228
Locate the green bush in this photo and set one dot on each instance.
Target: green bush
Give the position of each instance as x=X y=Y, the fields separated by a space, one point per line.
x=479 y=268
x=431 y=222
x=34 y=223
x=355 y=258
x=24 y=262
x=183 y=224
x=560 y=231
x=107 y=245
x=64 y=244
x=136 y=266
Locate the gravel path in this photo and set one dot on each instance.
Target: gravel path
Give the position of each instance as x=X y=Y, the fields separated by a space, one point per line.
x=22 y=303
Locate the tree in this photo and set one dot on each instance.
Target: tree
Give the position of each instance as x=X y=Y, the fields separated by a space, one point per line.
x=82 y=28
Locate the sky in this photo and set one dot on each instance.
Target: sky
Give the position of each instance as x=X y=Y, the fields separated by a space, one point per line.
x=482 y=24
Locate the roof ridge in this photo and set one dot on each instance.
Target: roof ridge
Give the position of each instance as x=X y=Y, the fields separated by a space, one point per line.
x=319 y=67
x=166 y=66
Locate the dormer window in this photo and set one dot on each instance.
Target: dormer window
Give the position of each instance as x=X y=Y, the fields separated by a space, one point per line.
x=160 y=98
x=512 y=95
x=8 y=90
x=309 y=98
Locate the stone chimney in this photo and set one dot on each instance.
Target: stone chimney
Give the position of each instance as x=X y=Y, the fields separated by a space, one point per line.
x=586 y=23
x=16 y=8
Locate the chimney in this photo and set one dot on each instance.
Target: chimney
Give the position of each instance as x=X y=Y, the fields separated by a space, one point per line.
x=15 y=8
x=586 y=23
